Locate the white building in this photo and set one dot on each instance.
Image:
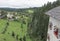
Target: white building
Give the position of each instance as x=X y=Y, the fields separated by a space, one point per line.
x=55 y=21
x=10 y=15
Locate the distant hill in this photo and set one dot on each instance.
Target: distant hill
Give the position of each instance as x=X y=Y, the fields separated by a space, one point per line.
x=17 y=9
x=8 y=9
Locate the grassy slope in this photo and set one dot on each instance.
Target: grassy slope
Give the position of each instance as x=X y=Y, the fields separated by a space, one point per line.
x=15 y=27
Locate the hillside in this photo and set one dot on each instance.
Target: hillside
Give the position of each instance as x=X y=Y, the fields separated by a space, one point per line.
x=31 y=24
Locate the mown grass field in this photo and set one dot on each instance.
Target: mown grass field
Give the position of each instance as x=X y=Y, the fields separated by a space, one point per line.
x=15 y=27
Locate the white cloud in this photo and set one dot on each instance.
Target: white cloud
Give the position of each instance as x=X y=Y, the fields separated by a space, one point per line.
x=23 y=3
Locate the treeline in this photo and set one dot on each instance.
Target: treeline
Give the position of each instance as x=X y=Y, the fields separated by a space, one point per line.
x=39 y=24
x=38 y=27
x=49 y=6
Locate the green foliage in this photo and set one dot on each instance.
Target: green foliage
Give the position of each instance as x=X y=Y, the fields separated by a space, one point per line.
x=39 y=26
x=50 y=5
x=13 y=35
x=24 y=38
x=37 y=23
x=13 y=31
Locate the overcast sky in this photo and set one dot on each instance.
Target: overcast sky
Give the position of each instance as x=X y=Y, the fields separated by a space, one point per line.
x=23 y=3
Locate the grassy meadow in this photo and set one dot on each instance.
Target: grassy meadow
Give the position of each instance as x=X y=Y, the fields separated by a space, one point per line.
x=15 y=28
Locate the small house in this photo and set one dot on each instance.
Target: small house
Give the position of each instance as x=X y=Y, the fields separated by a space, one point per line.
x=10 y=15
